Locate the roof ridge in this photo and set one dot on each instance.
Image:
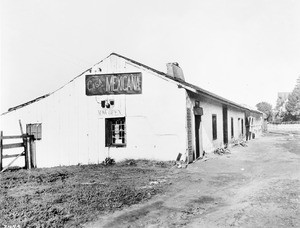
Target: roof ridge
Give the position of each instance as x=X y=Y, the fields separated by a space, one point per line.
x=179 y=81
x=182 y=82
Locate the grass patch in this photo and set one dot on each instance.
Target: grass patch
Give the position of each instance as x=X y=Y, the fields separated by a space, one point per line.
x=71 y=196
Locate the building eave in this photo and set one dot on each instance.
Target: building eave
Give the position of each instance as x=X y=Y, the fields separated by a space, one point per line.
x=184 y=84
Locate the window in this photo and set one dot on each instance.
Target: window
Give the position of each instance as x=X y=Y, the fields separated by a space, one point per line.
x=35 y=130
x=214 y=126
x=232 y=130
x=115 y=132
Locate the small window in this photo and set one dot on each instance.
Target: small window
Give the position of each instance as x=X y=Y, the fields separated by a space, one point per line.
x=115 y=132
x=214 y=126
x=35 y=130
x=232 y=129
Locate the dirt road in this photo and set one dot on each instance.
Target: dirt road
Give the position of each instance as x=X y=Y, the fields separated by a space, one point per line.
x=254 y=186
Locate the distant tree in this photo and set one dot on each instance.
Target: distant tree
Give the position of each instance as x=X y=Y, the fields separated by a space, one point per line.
x=266 y=108
x=293 y=104
x=279 y=103
x=279 y=113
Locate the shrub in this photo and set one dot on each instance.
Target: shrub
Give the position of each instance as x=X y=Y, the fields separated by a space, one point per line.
x=109 y=161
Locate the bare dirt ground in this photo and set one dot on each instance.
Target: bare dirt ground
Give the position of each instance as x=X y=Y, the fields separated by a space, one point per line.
x=254 y=186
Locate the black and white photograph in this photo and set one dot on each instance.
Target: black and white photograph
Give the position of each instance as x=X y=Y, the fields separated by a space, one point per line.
x=141 y=113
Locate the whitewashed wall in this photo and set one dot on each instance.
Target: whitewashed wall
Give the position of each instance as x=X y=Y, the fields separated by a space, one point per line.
x=211 y=107
x=257 y=125
x=73 y=131
x=237 y=116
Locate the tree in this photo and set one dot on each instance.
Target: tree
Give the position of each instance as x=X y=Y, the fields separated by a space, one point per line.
x=279 y=103
x=266 y=108
x=293 y=103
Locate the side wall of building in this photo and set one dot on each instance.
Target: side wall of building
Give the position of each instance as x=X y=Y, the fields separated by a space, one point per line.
x=212 y=107
x=238 y=118
x=256 y=124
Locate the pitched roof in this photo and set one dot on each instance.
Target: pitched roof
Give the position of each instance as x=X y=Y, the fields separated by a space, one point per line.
x=180 y=82
x=185 y=84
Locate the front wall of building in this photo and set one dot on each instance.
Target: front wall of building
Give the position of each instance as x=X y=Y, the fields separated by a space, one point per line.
x=73 y=124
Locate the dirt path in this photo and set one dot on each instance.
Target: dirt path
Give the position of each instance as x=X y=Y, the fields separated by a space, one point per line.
x=254 y=186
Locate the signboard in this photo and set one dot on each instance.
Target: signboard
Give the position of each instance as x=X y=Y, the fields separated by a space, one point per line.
x=106 y=84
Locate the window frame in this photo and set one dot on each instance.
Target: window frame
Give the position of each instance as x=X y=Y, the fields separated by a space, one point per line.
x=214 y=127
x=34 y=129
x=111 y=132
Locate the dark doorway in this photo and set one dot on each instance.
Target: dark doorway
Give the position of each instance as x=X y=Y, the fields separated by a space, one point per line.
x=242 y=123
x=225 y=125
x=197 y=127
x=232 y=128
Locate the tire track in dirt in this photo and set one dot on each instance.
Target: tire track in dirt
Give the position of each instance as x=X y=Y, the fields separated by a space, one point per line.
x=256 y=186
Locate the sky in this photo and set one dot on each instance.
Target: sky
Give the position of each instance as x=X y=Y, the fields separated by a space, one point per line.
x=244 y=50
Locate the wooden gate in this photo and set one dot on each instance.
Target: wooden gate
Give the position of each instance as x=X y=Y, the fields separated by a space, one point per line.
x=28 y=153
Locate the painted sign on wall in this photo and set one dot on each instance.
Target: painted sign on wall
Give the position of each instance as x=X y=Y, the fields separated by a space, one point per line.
x=111 y=107
x=105 y=84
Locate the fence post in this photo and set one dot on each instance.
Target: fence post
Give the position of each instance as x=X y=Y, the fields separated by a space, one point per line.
x=32 y=149
x=26 y=151
x=1 y=150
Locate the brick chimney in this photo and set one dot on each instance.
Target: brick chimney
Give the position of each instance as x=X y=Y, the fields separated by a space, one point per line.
x=175 y=71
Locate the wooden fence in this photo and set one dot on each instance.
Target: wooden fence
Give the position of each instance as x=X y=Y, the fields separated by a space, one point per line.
x=28 y=144
x=284 y=127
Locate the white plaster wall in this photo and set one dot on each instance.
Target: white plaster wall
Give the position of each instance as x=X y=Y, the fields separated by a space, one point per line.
x=211 y=107
x=155 y=120
x=237 y=127
x=69 y=132
x=256 y=127
x=73 y=132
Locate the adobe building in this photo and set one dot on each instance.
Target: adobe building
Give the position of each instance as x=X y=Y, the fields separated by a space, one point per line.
x=123 y=109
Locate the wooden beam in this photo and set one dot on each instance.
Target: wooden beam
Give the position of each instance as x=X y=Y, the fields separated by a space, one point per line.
x=27 y=163
x=32 y=150
x=13 y=145
x=12 y=155
x=11 y=162
x=21 y=128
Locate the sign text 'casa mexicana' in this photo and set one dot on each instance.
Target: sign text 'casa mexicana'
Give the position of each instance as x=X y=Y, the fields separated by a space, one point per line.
x=105 y=84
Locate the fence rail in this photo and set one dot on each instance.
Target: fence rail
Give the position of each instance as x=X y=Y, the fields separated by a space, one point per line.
x=13 y=145
x=284 y=127
x=12 y=137
x=28 y=152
